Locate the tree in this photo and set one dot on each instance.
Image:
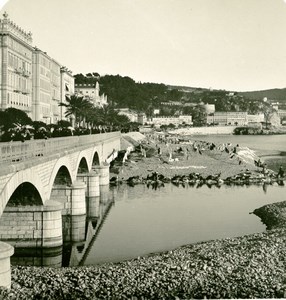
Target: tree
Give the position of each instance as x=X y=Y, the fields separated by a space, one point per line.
x=267 y=110
x=11 y=116
x=77 y=107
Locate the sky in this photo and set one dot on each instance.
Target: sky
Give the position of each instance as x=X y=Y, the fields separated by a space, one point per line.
x=237 y=45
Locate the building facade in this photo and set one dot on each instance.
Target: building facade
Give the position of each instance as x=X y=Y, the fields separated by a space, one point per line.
x=183 y=119
x=46 y=88
x=91 y=92
x=252 y=119
x=130 y=114
x=30 y=80
x=67 y=89
x=16 y=67
x=227 y=118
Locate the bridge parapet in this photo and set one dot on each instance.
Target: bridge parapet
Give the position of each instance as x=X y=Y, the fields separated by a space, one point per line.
x=19 y=151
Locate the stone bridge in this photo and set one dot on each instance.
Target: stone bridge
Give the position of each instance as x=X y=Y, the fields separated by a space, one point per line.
x=41 y=181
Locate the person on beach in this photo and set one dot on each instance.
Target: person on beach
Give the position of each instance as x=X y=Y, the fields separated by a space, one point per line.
x=280 y=172
x=264 y=169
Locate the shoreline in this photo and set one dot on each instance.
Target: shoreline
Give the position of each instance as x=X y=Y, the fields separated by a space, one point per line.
x=190 y=161
x=249 y=266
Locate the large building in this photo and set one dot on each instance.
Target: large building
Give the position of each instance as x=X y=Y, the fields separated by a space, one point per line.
x=227 y=118
x=30 y=80
x=183 y=119
x=16 y=67
x=91 y=91
x=46 y=88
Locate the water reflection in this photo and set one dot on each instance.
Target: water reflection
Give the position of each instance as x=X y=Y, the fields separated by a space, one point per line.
x=154 y=217
x=79 y=234
x=201 y=184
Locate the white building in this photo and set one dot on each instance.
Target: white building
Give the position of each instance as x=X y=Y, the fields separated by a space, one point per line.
x=16 y=67
x=252 y=119
x=46 y=88
x=132 y=115
x=30 y=79
x=210 y=108
x=227 y=118
x=282 y=113
x=91 y=91
x=183 y=119
x=142 y=118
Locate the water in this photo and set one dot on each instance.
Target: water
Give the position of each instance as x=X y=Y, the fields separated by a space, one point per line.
x=143 y=221
x=262 y=144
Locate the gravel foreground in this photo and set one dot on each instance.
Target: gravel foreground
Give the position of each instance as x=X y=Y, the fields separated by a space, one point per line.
x=251 y=266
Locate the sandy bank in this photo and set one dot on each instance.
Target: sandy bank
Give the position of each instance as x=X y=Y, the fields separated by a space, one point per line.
x=170 y=158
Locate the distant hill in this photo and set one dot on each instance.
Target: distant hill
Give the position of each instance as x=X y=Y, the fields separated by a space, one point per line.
x=272 y=94
x=187 y=89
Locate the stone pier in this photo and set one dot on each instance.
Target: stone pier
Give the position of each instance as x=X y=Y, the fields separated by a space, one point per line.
x=91 y=181
x=103 y=171
x=32 y=226
x=72 y=197
x=6 y=251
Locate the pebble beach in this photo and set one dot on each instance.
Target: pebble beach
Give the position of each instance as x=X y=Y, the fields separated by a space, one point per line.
x=251 y=266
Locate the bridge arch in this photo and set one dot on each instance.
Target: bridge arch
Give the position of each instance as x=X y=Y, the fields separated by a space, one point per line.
x=95 y=158
x=19 y=178
x=26 y=194
x=83 y=163
x=62 y=163
x=82 y=166
x=63 y=177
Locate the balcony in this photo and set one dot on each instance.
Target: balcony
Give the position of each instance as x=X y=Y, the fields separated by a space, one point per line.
x=26 y=73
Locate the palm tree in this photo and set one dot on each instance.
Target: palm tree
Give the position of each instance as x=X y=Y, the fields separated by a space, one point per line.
x=77 y=107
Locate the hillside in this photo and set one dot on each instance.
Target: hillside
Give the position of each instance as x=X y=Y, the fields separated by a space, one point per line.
x=272 y=94
x=123 y=92
x=187 y=89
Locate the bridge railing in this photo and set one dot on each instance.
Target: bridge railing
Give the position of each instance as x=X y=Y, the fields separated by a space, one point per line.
x=19 y=151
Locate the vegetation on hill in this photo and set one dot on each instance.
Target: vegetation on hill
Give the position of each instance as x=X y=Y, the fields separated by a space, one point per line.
x=124 y=92
x=272 y=94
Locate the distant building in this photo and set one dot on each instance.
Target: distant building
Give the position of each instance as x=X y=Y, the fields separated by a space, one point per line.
x=67 y=89
x=227 y=118
x=210 y=108
x=91 y=92
x=172 y=103
x=274 y=119
x=16 y=67
x=183 y=119
x=132 y=115
x=156 y=111
x=252 y=119
x=142 y=118
x=282 y=113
